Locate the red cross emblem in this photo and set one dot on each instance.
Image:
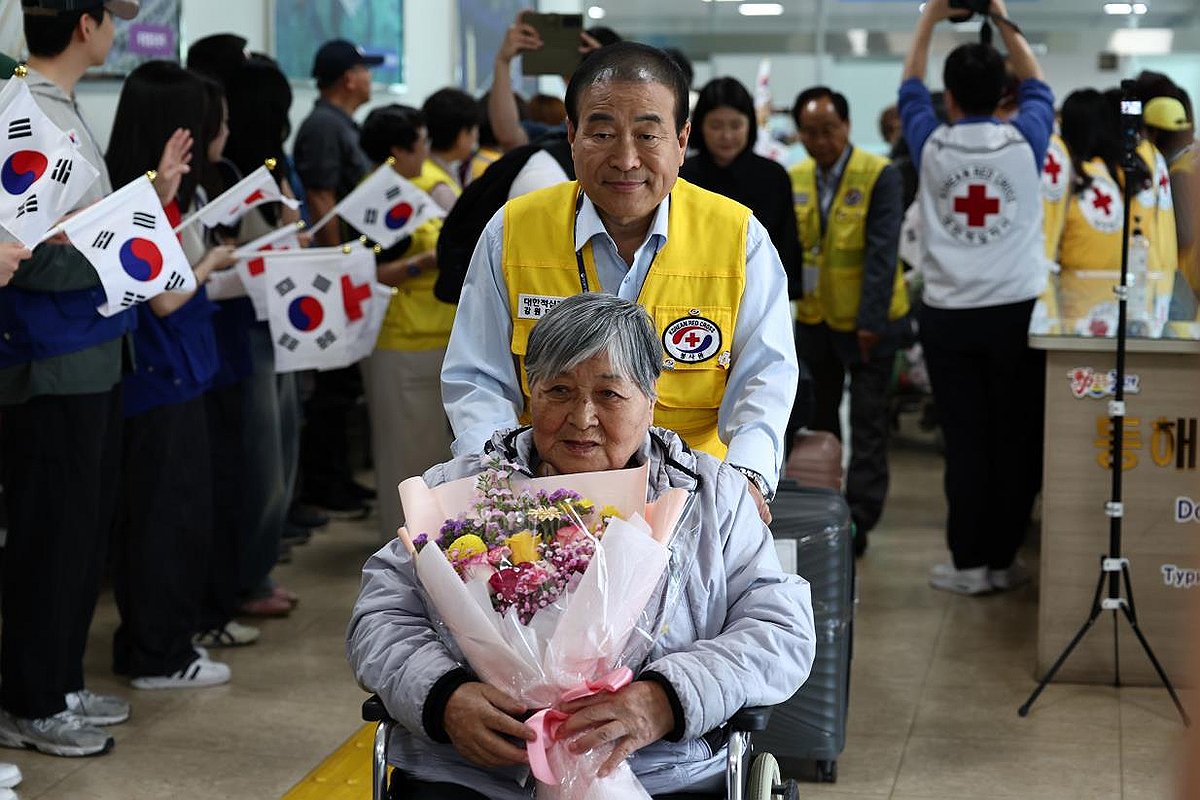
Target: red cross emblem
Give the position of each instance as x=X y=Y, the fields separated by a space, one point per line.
x=1052 y=168
x=977 y=205
x=353 y=295
x=1102 y=202
x=692 y=339
x=1163 y=181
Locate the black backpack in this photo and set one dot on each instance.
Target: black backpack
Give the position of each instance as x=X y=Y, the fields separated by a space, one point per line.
x=478 y=203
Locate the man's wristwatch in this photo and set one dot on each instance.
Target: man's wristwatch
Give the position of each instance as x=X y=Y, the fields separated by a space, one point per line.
x=759 y=481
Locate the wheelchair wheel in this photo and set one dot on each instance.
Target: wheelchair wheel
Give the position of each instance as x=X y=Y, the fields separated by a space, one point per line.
x=764 y=777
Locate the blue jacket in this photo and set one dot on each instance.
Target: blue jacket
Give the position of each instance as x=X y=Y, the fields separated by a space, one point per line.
x=175 y=356
x=42 y=324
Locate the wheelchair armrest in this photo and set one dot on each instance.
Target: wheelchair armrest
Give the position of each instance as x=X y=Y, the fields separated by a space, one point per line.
x=751 y=719
x=373 y=710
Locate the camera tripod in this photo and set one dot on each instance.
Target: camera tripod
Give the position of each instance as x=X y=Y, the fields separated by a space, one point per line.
x=1114 y=569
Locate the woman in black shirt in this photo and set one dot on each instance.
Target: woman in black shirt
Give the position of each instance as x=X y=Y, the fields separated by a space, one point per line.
x=724 y=130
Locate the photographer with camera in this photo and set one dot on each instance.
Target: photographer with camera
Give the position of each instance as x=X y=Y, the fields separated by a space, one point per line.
x=983 y=263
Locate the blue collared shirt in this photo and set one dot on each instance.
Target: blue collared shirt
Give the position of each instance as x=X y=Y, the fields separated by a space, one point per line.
x=482 y=393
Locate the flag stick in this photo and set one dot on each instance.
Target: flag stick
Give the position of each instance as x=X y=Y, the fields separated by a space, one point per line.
x=269 y=164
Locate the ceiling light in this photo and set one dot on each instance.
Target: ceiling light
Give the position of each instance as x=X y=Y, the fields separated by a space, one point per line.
x=1118 y=8
x=722 y=1
x=1140 y=8
x=760 y=9
x=595 y=12
x=1141 y=41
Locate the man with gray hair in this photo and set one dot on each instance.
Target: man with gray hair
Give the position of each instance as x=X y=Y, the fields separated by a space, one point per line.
x=700 y=264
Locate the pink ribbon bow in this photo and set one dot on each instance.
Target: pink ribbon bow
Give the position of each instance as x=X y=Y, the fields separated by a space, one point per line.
x=545 y=723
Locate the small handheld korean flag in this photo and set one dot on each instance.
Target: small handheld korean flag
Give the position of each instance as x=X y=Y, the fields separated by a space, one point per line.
x=42 y=175
x=305 y=310
x=386 y=208
x=252 y=267
x=252 y=191
x=365 y=302
x=129 y=241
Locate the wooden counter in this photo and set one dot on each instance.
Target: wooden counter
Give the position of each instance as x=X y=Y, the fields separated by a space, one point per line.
x=1161 y=482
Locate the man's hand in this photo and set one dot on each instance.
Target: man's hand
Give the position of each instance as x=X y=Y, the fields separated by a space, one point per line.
x=630 y=719
x=764 y=510
x=587 y=44
x=938 y=10
x=867 y=342
x=478 y=717
x=173 y=165
x=520 y=38
x=11 y=256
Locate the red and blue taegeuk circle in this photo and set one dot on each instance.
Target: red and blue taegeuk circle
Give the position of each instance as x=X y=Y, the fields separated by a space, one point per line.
x=305 y=313
x=141 y=259
x=398 y=216
x=22 y=170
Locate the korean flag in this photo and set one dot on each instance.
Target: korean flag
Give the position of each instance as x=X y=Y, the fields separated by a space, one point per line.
x=305 y=311
x=42 y=174
x=252 y=266
x=386 y=208
x=127 y=238
x=252 y=191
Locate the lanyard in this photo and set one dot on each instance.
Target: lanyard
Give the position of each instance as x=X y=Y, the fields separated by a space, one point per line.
x=584 y=284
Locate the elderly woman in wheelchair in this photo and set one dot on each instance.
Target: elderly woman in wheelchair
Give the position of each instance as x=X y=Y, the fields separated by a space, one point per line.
x=740 y=635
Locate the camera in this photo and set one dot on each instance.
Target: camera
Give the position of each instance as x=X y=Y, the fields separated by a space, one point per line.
x=1131 y=118
x=974 y=6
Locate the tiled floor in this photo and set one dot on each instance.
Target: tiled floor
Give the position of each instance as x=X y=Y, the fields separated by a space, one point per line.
x=936 y=683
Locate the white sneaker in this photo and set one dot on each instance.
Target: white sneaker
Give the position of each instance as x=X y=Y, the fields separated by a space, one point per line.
x=63 y=734
x=960 y=581
x=233 y=634
x=10 y=776
x=201 y=672
x=1016 y=575
x=97 y=709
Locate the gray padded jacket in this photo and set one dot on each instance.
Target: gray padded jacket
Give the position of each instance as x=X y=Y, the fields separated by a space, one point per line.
x=740 y=632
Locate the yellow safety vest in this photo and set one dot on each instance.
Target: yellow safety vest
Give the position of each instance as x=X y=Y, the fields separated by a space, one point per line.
x=1089 y=244
x=693 y=291
x=839 y=251
x=484 y=157
x=432 y=174
x=415 y=319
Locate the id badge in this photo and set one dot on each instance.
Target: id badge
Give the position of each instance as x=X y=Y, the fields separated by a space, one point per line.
x=811 y=276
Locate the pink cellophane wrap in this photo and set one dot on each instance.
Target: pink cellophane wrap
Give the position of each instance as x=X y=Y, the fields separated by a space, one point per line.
x=583 y=638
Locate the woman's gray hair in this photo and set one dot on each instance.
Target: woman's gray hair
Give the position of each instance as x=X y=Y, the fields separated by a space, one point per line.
x=591 y=323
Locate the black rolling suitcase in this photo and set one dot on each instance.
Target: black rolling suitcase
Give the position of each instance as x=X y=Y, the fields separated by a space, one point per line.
x=814 y=536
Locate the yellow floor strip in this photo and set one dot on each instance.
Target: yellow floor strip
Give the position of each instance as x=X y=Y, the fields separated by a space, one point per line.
x=344 y=775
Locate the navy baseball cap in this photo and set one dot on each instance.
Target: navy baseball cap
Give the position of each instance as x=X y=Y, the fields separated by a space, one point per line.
x=337 y=57
x=125 y=9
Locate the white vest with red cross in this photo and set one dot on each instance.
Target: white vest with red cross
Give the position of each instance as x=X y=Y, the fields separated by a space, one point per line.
x=981 y=209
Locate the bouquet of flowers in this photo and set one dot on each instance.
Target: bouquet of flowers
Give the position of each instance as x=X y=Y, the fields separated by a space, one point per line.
x=543 y=584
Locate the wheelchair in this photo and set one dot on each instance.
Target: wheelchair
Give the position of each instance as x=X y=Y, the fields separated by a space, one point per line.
x=747 y=777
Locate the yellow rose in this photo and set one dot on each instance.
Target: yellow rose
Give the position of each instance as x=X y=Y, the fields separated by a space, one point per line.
x=466 y=546
x=524 y=547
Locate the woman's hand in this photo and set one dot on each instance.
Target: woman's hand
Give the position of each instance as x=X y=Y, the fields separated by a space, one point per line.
x=630 y=719
x=11 y=256
x=477 y=719
x=216 y=259
x=173 y=165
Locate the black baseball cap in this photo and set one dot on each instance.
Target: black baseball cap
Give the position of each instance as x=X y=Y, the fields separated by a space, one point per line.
x=337 y=57
x=125 y=9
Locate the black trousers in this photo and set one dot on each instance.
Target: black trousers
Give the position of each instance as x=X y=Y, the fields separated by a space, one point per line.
x=404 y=787
x=162 y=539
x=989 y=387
x=224 y=415
x=62 y=458
x=324 y=448
x=830 y=355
